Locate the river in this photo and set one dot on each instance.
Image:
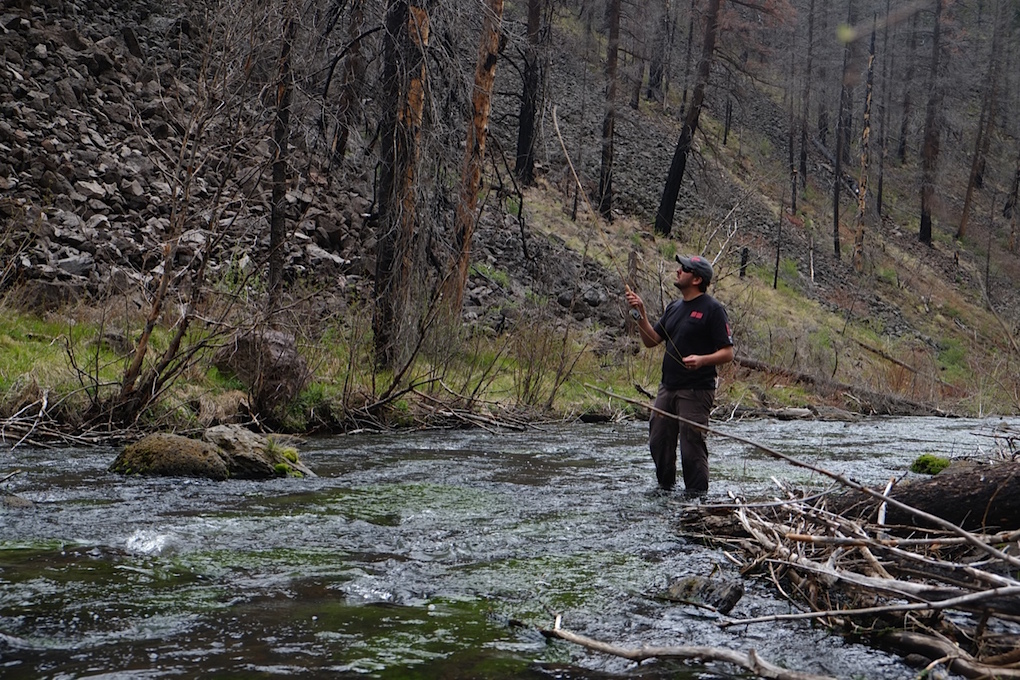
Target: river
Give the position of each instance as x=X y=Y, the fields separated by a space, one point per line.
x=433 y=554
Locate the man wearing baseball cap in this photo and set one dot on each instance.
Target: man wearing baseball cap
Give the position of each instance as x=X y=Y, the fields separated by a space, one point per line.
x=697 y=337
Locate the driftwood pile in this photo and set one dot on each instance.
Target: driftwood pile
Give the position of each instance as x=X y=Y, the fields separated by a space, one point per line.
x=939 y=594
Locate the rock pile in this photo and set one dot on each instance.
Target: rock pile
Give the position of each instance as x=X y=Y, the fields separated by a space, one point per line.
x=96 y=102
x=94 y=108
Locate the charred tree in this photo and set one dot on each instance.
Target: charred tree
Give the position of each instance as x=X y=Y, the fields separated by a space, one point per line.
x=842 y=121
x=667 y=206
x=851 y=78
x=862 y=184
x=527 y=130
x=806 y=95
x=351 y=92
x=985 y=125
x=609 y=120
x=883 y=139
x=930 y=151
x=908 y=80
x=658 y=65
x=405 y=37
x=281 y=141
x=688 y=55
x=1010 y=209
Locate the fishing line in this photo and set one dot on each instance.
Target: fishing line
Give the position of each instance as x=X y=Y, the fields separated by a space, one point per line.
x=634 y=313
x=588 y=204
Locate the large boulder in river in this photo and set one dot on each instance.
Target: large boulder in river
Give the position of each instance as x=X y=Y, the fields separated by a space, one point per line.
x=228 y=452
x=250 y=453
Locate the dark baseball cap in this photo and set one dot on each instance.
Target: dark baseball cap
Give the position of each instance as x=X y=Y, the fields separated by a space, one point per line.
x=698 y=265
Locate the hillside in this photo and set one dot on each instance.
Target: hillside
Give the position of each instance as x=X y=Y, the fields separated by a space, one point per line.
x=103 y=166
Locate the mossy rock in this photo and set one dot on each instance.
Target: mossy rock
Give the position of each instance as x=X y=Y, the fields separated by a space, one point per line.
x=225 y=452
x=929 y=464
x=171 y=455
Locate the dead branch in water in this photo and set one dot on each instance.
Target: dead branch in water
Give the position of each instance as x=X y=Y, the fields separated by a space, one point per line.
x=749 y=661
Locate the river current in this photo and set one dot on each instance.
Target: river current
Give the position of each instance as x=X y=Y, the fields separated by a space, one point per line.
x=433 y=554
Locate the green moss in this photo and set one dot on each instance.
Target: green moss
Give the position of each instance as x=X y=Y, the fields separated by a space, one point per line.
x=929 y=464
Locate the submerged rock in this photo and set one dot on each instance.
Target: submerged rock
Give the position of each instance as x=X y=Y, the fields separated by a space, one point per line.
x=718 y=594
x=12 y=501
x=226 y=452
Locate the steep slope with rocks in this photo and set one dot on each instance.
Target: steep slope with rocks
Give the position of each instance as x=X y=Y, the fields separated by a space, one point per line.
x=98 y=103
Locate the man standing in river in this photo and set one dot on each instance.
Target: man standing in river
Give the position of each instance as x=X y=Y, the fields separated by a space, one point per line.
x=697 y=338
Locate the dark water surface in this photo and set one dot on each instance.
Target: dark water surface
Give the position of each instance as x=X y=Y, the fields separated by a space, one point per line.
x=413 y=555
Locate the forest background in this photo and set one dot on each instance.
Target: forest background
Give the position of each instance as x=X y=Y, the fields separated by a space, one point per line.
x=327 y=215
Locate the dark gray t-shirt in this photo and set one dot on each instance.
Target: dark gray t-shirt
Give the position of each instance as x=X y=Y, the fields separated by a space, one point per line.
x=697 y=326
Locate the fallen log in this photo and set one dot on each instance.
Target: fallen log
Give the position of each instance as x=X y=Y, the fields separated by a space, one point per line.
x=871 y=402
x=974 y=496
x=957 y=660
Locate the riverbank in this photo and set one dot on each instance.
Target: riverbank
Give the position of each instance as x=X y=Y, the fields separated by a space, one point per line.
x=120 y=287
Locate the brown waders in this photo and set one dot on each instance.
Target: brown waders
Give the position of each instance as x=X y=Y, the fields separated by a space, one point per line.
x=664 y=432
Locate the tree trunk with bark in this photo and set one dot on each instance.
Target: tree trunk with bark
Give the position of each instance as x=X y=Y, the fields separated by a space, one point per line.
x=687 y=55
x=862 y=184
x=406 y=35
x=985 y=124
x=841 y=139
x=805 y=103
x=667 y=206
x=353 y=83
x=659 y=63
x=908 y=80
x=883 y=140
x=281 y=141
x=474 y=155
x=975 y=496
x=1012 y=206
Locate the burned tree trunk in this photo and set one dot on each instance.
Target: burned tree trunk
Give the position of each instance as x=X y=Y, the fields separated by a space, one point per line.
x=908 y=79
x=353 y=85
x=281 y=140
x=986 y=121
x=667 y=206
x=406 y=35
x=524 y=167
x=862 y=185
x=930 y=152
x=806 y=97
x=609 y=121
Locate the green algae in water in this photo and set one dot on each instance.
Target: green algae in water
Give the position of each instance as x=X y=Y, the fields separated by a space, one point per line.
x=385 y=505
x=531 y=588
x=441 y=639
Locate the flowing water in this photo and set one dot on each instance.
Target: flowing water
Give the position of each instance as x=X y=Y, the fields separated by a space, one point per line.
x=433 y=554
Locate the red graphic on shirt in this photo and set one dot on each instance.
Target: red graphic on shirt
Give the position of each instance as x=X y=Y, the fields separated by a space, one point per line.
x=697 y=315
